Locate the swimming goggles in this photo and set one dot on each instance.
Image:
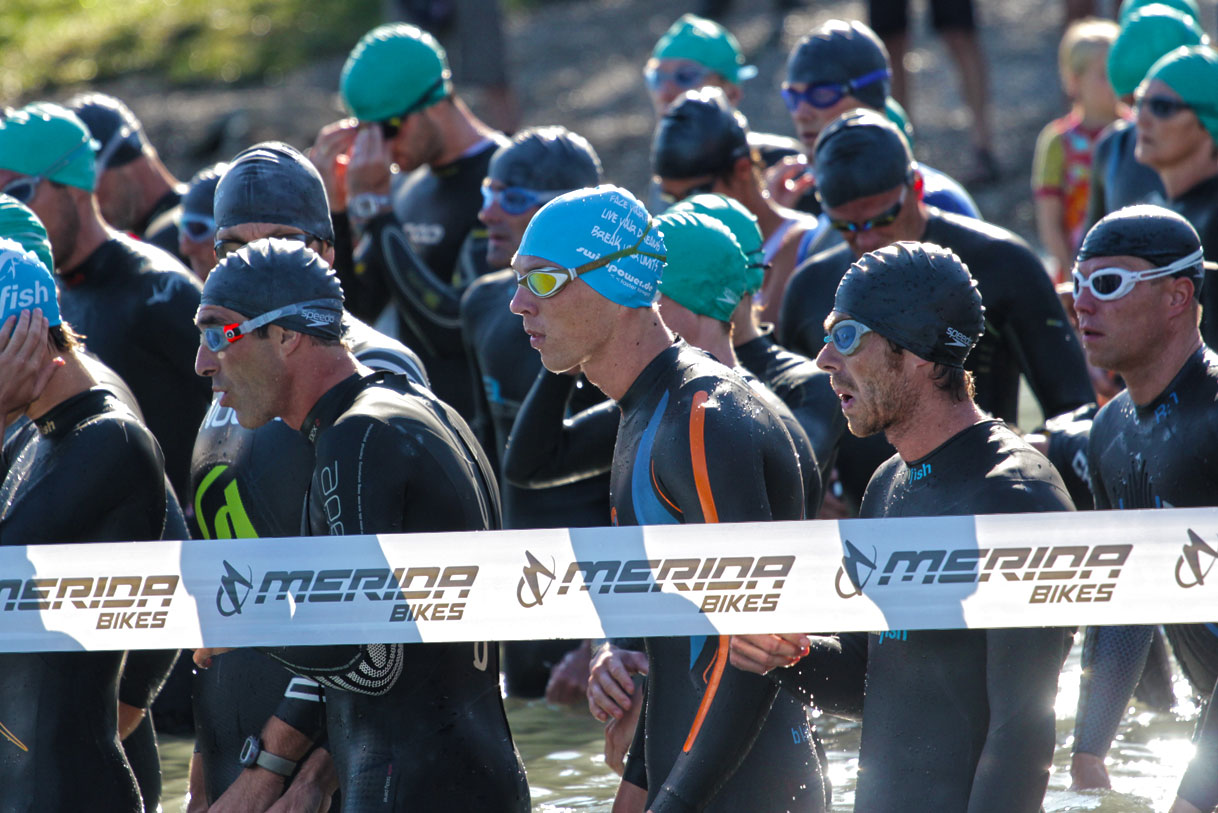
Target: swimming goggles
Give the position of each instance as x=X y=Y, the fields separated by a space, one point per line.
x=827 y=94
x=516 y=200
x=1113 y=283
x=846 y=336
x=548 y=280
x=217 y=338
x=1163 y=107
x=226 y=247
x=685 y=77
x=885 y=218
x=391 y=126
x=26 y=187
x=197 y=227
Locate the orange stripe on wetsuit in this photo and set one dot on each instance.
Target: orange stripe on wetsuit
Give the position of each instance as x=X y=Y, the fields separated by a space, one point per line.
x=697 y=456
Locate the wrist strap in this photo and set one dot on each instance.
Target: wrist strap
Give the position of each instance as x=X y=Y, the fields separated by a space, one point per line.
x=275 y=764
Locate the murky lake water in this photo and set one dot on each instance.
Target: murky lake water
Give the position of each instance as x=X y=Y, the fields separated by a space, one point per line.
x=562 y=749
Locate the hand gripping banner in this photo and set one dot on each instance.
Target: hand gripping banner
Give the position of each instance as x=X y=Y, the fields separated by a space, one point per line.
x=1025 y=570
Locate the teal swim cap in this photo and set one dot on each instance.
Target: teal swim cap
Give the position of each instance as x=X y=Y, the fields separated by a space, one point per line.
x=706 y=271
x=18 y=222
x=743 y=226
x=1148 y=34
x=707 y=43
x=25 y=283
x=394 y=70
x=588 y=224
x=1193 y=73
x=48 y=140
x=1128 y=7
x=897 y=115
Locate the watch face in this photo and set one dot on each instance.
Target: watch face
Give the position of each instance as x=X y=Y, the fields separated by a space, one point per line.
x=249 y=752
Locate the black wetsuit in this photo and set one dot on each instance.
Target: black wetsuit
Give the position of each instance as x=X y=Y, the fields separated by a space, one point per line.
x=421 y=256
x=1026 y=329
x=953 y=720
x=1117 y=178
x=252 y=482
x=135 y=306
x=1199 y=205
x=160 y=228
x=59 y=748
x=1068 y=436
x=697 y=444
x=418 y=727
x=1163 y=454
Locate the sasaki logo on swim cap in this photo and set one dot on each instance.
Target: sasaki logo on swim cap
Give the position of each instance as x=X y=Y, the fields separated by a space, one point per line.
x=958 y=339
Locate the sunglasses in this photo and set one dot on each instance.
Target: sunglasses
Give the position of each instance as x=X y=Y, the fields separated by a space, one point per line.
x=516 y=200
x=1161 y=107
x=671 y=199
x=1108 y=284
x=684 y=77
x=226 y=247
x=217 y=338
x=885 y=218
x=198 y=228
x=393 y=124
x=546 y=281
x=827 y=94
x=846 y=336
x=26 y=187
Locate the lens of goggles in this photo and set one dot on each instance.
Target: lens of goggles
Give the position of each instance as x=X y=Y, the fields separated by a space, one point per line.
x=23 y=189
x=846 y=336
x=878 y=222
x=1161 y=107
x=684 y=77
x=826 y=94
x=545 y=282
x=198 y=227
x=516 y=200
x=217 y=338
x=1113 y=283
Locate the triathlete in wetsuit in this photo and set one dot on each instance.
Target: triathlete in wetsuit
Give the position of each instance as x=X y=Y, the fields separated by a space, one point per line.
x=1136 y=459
x=953 y=719
x=408 y=725
x=131 y=302
x=251 y=482
x=59 y=743
x=417 y=239
x=862 y=162
x=695 y=445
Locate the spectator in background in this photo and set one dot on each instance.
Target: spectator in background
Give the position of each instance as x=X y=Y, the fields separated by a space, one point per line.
x=197 y=222
x=1061 y=169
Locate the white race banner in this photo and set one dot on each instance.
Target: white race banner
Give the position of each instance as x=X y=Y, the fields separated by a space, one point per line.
x=1023 y=570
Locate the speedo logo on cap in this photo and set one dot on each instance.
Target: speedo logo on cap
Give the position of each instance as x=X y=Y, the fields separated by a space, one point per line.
x=319 y=318
x=15 y=297
x=958 y=339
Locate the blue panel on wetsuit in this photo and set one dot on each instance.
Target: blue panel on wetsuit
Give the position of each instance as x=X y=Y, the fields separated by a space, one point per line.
x=648 y=510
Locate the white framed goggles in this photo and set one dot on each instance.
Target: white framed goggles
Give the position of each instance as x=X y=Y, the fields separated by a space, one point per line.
x=1108 y=284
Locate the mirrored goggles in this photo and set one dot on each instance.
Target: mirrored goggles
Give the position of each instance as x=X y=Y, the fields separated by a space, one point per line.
x=685 y=77
x=1113 y=283
x=846 y=336
x=1161 y=107
x=216 y=338
x=548 y=280
x=26 y=187
x=885 y=218
x=226 y=247
x=393 y=124
x=516 y=200
x=199 y=228
x=826 y=94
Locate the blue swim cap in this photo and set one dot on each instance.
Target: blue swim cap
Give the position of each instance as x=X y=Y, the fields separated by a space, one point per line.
x=585 y=225
x=25 y=283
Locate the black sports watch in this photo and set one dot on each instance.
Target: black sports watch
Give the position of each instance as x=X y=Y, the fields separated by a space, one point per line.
x=252 y=754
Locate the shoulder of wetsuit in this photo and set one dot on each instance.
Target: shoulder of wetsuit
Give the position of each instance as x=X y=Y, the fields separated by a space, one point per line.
x=486 y=291
x=815 y=280
x=147 y=258
x=1021 y=479
x=382 y=353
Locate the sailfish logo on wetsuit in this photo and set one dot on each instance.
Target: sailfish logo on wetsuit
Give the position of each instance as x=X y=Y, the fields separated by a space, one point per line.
x=532 y=571
x=852 y=564
x=234 y=587
x=1192 y=557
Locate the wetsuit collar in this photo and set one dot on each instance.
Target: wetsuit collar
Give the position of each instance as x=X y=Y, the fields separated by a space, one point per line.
x=980 y=426
x=66 y=415
x=651 y=374
x=97 y=268
x=1195 y=362
x=166 y=202
x=335 y=402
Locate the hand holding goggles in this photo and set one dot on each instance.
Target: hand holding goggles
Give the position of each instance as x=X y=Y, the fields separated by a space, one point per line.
x=1107 y=284
x=516 y=200
x=846 y=336
x=686 y=77
x=26 y=187
x=548 y=280
x=826 y=94
x=217 y=338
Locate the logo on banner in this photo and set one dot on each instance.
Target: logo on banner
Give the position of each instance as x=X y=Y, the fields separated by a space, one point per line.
x=129 y=602
x=743 y=584
x=234 y=590
x=533 y=573
x=1191 y=558
x=1062 y=574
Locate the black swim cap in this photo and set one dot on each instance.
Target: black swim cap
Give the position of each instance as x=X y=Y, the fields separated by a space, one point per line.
x=700 y=134
x=273 y=182
x=1152 y=233
x=861 y=153
x=273 y=273
x=113 y=126
x=838 y=52
x=920 y=296
x=200 y=194
x=546 y=158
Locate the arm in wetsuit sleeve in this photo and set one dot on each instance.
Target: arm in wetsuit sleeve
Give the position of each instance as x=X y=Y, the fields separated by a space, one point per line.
x=144 y=673
x=801 y=328
x=545 y=450
x=365 y=288
x=831 y=676
x=1199 y=787
x=636 y=757
x=1022 y=666
x=481 y=424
